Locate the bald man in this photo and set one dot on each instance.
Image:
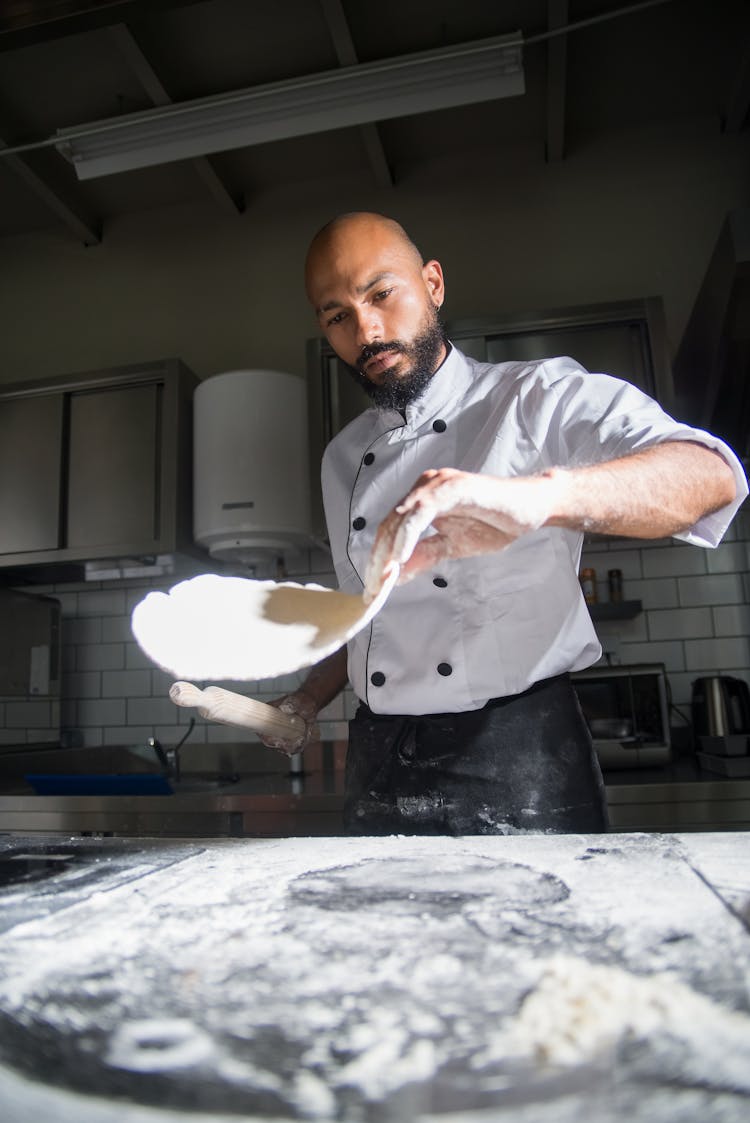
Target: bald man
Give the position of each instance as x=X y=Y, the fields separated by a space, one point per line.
x=477 y=482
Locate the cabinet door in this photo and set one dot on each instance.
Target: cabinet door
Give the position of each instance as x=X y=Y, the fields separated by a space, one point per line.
x=620 y=349
x=113 y=474
x=30 y=468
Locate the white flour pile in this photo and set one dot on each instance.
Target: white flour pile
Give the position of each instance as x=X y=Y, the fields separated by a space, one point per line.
x=578 y=1011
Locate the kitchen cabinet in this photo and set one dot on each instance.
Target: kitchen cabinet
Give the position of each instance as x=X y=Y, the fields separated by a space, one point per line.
x=623 y=338
x=113 y=466
x=96 y=465
x=30 y=466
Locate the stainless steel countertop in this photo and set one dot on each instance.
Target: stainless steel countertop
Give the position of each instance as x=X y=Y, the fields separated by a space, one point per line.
x=275 y=803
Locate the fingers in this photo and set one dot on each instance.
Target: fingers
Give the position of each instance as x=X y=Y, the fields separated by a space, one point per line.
x=469 y=514
x=285 y=747
x=426 y=555
x=456 y=537
x=437 y=490
x=380 y=564
x=407 y=532
x=301 y=704
x=396 y=539
x=452 y=502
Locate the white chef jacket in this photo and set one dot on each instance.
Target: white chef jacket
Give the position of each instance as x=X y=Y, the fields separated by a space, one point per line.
x=484 y=627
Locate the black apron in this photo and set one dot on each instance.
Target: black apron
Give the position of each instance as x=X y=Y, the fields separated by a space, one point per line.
x=522 y=763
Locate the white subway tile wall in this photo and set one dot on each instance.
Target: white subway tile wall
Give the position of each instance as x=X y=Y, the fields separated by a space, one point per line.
x=113 y=695
x=696 y=605
x=29 y=721
x=695 y=619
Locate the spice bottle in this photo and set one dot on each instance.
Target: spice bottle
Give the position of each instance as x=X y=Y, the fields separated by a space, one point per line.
x=614 y=577
x=588 y=585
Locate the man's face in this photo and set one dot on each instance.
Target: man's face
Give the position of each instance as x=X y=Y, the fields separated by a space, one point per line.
x=419 y=358
x=377 y=306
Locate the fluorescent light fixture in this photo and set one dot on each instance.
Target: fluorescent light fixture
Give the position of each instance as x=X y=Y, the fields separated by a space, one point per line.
x=467 y=73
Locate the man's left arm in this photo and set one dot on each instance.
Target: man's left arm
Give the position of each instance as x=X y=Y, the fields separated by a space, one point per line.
x=653 y=493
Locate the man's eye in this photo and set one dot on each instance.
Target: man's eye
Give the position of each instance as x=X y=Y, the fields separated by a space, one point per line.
x=382 y=294
x=335 y=319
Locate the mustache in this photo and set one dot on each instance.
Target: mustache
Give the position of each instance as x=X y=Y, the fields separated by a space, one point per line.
x=370 y=350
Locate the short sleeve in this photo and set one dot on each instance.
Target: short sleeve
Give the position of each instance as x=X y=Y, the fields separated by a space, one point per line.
x=595 y=417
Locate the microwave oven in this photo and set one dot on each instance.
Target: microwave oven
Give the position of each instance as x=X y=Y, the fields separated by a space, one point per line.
x=627 y=711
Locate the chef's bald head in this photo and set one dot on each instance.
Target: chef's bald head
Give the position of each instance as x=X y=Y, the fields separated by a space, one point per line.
x=356 y=231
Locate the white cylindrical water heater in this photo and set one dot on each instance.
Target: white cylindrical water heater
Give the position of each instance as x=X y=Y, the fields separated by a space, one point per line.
x=251 y=471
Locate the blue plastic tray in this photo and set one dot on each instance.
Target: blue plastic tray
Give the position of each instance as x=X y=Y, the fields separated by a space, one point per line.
x=135 y=783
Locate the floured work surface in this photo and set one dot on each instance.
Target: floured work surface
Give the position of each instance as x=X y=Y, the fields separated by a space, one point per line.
x=521 y=978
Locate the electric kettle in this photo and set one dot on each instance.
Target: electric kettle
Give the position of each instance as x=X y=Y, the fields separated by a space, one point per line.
x=720 y=706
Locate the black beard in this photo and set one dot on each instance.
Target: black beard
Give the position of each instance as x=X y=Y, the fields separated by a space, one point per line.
x=399 y=391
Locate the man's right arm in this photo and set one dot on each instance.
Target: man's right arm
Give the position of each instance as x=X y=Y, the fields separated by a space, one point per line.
x=323 y=683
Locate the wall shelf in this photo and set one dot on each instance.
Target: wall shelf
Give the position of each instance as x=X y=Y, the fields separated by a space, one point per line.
x=617 y=610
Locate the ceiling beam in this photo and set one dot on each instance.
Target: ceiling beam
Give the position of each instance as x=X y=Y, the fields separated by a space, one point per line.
x=26 y=22
x=149 y=80
x=343 y=44
x=738 y=106
x=70 y=212
x=557 y=63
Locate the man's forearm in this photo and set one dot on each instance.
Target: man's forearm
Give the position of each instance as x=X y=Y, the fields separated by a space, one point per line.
x=650 y=494
x=326 y=679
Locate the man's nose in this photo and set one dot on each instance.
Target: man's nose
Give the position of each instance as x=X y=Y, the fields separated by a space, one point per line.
x=369 y=327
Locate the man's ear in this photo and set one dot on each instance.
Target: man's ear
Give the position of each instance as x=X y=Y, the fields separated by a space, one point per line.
x=432 y=274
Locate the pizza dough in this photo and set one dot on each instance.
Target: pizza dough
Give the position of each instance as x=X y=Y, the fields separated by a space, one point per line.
x=216 y=628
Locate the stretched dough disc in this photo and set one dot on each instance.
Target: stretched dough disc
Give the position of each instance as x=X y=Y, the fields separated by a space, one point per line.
x=214 y=628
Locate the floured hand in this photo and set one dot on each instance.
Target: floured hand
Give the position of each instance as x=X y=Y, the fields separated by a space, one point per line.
x=469 y=514
x=301 y=704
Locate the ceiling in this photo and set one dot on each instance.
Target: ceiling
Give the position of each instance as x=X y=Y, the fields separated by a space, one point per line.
x=65 y=63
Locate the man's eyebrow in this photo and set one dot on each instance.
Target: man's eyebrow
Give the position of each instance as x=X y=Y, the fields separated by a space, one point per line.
x=386 y=274
x=360 y=290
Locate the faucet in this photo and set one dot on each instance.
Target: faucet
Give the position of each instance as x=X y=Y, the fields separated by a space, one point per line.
x=169 y=759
